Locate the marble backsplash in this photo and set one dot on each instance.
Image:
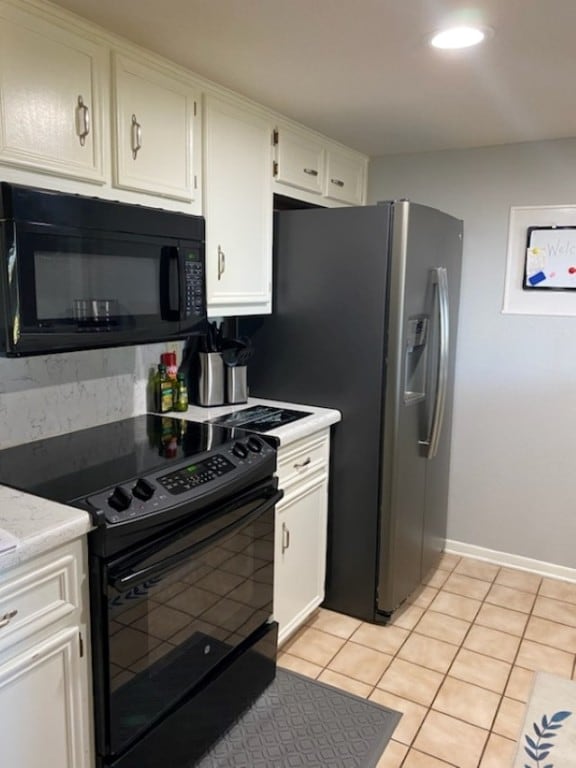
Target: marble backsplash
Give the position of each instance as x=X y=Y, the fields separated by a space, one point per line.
x=48 y=395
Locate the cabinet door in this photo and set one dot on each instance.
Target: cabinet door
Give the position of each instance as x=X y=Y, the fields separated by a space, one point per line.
x=238 y=210
x=50 y=97
x=300 y=553
x=299 y=160
x=345 y=178
x=40 y=706
x=155 y=115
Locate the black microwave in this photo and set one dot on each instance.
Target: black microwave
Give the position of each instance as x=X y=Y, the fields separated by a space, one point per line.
x=81 y=272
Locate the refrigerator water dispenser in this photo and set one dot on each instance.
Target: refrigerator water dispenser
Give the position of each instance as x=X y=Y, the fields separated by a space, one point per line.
x=415 y=360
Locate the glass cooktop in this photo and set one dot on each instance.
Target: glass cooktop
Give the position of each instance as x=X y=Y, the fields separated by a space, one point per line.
x=77 y=464
x=259 y=418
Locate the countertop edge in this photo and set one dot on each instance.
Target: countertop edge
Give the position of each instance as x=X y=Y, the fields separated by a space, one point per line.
x=319 y=418
x=39 y=525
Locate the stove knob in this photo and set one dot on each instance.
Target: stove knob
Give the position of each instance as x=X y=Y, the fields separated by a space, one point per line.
x=254 y=444
x=143 y=490
x=120 y=499
x=240 y=450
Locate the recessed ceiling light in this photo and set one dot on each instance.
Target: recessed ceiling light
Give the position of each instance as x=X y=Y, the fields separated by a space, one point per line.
x=458 y=37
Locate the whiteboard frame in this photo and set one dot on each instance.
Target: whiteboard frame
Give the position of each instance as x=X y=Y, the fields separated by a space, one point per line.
x=516 y=299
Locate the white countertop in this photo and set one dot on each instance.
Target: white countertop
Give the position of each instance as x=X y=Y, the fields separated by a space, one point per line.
x=41 y=525
x=319 y=418
x=38 y=524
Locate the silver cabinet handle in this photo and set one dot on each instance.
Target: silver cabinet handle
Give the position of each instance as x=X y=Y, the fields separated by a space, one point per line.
x=135 y=136
x=303 y=464
x=82 y=120
x=7 y=618
x=221 y=262
x=310 y=171
x=440 y=278
x=337 y=182
x=285 y=538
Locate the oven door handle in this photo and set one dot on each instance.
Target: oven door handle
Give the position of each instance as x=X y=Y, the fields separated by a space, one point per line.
x=123 y=580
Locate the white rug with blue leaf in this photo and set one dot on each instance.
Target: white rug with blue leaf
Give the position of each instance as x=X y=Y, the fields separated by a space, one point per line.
x=548 y=736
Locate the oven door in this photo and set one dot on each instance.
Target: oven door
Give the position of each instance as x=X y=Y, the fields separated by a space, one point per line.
x=167 y=615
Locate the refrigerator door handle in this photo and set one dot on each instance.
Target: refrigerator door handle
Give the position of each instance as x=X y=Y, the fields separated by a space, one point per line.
x=440 y=278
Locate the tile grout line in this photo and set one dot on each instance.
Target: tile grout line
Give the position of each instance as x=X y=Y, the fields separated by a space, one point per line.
x=429 y=708
x=460 y=647
x=372 y=688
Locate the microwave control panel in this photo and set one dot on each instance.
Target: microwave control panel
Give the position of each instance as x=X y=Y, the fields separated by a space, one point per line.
x=195 y=300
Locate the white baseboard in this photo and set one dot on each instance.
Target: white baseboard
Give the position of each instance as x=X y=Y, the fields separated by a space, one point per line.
x=511 y=561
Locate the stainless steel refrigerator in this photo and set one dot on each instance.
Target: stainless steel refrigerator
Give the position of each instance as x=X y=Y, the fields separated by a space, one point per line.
x=365 y=318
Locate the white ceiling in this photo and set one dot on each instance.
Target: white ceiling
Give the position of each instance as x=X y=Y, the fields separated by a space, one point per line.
x=360 y=70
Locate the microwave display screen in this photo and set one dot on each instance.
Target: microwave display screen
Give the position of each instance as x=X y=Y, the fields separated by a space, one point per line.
x=97 y=286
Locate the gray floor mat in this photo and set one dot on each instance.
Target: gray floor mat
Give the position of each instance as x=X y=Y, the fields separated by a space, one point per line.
x=301 y=723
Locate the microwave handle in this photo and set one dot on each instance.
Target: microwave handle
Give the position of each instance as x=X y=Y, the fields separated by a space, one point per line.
x=169 y=259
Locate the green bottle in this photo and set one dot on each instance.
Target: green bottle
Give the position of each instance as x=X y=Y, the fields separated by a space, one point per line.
x=181 y=394
x=164 y=391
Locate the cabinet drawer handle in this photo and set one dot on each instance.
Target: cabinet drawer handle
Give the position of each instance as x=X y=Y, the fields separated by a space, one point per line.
x=311 y=171
x=221 y=262
x=285 y=538
x=337 y=182
x=82 y=121
x=135 y=136
x=7 y=618
x=303 y=464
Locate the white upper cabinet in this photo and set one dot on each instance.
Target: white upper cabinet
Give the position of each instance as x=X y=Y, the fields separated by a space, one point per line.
x=154 y=131
x=299 y=160
x=314 y=169
x=80 y=107
x=238 y=209
x=345 y=179
x=50 y=97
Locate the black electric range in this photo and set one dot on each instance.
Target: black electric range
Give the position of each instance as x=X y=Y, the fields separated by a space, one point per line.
x=179 y=508
x=137 y=473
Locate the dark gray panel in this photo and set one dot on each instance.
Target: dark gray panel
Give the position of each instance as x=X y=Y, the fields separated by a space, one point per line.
x=325 y=345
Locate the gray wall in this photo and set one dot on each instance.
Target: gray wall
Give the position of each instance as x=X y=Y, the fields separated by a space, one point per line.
x=513 y=469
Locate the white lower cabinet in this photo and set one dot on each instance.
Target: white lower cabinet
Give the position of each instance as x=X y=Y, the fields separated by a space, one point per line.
x=44 y=678
x=300 y=539
x=40 y=705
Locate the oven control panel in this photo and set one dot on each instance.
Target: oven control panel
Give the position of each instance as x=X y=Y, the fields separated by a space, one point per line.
x=196 y=474
x=190 y=478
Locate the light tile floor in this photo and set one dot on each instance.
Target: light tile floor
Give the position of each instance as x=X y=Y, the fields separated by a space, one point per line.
x=457 y=661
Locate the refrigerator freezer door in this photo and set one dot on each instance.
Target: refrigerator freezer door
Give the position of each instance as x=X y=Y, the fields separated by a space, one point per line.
x=438 y=464
x=403 y=470
x=416 y=432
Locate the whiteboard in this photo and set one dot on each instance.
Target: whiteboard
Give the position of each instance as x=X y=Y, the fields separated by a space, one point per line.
x=517 y=298
x=550 y=258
